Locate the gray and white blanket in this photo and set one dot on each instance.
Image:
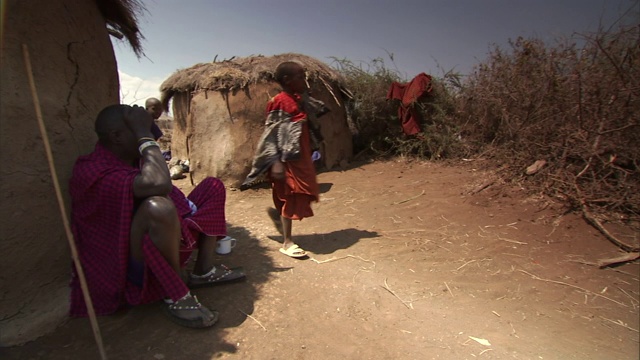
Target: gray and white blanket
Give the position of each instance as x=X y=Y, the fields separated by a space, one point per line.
x=281 y=138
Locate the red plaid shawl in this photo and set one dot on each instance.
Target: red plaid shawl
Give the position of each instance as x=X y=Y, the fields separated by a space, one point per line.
x=102 y=204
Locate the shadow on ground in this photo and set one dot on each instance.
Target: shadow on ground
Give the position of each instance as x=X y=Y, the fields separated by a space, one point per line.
x=234 y=301
x=325 y=187
x=330 y=242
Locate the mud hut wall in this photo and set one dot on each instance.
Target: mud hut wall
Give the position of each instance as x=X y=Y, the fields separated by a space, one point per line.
x=165 y=124
x=75 y=74
x=220 y=132
x=181 y=119
x=224 y=131
x=338 y=144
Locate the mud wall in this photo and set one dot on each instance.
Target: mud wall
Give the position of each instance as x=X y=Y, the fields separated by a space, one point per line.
x=75 y=74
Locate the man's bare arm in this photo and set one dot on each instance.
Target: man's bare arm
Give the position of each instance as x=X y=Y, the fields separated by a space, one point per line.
x=154 y=178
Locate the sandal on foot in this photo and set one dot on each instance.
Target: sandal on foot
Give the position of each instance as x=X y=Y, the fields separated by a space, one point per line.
x=190 y=313
x=219 y=274
x=294 y=251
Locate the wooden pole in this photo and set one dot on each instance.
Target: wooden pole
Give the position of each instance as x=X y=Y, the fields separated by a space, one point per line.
x=65 y=220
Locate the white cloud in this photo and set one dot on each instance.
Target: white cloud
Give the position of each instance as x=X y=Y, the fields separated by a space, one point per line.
x=135 y=91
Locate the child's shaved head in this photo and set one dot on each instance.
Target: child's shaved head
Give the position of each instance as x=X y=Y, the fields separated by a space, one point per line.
x=287 y=68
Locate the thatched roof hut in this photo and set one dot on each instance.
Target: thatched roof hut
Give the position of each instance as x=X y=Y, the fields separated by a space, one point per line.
x=75 y=72
x=219 y=112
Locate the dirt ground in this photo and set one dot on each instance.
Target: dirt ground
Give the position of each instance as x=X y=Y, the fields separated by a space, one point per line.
x=407 y=261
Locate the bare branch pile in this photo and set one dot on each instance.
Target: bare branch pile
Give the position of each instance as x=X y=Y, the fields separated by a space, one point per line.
x=574 y=107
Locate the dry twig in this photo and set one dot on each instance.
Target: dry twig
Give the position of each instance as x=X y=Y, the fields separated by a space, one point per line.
x=483 y=186
x=450 y=292
x=633 y=300
x=594 y=264
x=343 y=257
x=386 y=287
x=595 y=223
x=603 y=263
x=254 y=319
x=409 y=199
x=573 y=286
x=465 y=264
x=512 y=241
x=405 y=230
x=620 y=323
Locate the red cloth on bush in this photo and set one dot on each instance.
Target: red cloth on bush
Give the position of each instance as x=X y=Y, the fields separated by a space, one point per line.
x=408 y=94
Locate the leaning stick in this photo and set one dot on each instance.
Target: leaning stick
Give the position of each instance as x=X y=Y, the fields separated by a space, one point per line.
x=54 y=177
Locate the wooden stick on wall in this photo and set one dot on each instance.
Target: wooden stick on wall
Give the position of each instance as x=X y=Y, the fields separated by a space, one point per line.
x=65 y=220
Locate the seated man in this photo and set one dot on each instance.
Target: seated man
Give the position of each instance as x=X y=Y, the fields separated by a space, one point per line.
x=135 y=231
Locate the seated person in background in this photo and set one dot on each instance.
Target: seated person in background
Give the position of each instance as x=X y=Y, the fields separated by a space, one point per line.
x=135 y=231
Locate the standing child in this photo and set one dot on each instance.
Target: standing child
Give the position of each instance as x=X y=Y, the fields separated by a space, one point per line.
x=285 y=151
x=154 y=108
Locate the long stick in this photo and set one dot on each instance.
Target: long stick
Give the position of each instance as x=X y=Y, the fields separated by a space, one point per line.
x=54 y=177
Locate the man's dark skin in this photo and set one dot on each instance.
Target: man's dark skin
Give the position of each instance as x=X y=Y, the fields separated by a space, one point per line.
x=120 y=132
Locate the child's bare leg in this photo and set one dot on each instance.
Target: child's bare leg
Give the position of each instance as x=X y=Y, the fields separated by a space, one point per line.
x=286 y=232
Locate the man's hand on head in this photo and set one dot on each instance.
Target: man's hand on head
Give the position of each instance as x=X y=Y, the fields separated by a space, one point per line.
x=138 y=120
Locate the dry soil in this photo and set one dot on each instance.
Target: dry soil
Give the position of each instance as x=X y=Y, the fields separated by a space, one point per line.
x=408 y=261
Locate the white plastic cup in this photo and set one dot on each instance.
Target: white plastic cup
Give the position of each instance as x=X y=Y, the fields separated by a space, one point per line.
x=225 y=245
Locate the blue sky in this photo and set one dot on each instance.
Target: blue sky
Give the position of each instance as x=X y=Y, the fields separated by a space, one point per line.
x=429 y=36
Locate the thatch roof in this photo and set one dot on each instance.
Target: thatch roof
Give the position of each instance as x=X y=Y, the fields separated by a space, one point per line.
x=121 y=17
x=238 y=73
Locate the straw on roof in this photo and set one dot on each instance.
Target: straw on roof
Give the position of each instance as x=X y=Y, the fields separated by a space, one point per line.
x=122 y=16
x=239 y=73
